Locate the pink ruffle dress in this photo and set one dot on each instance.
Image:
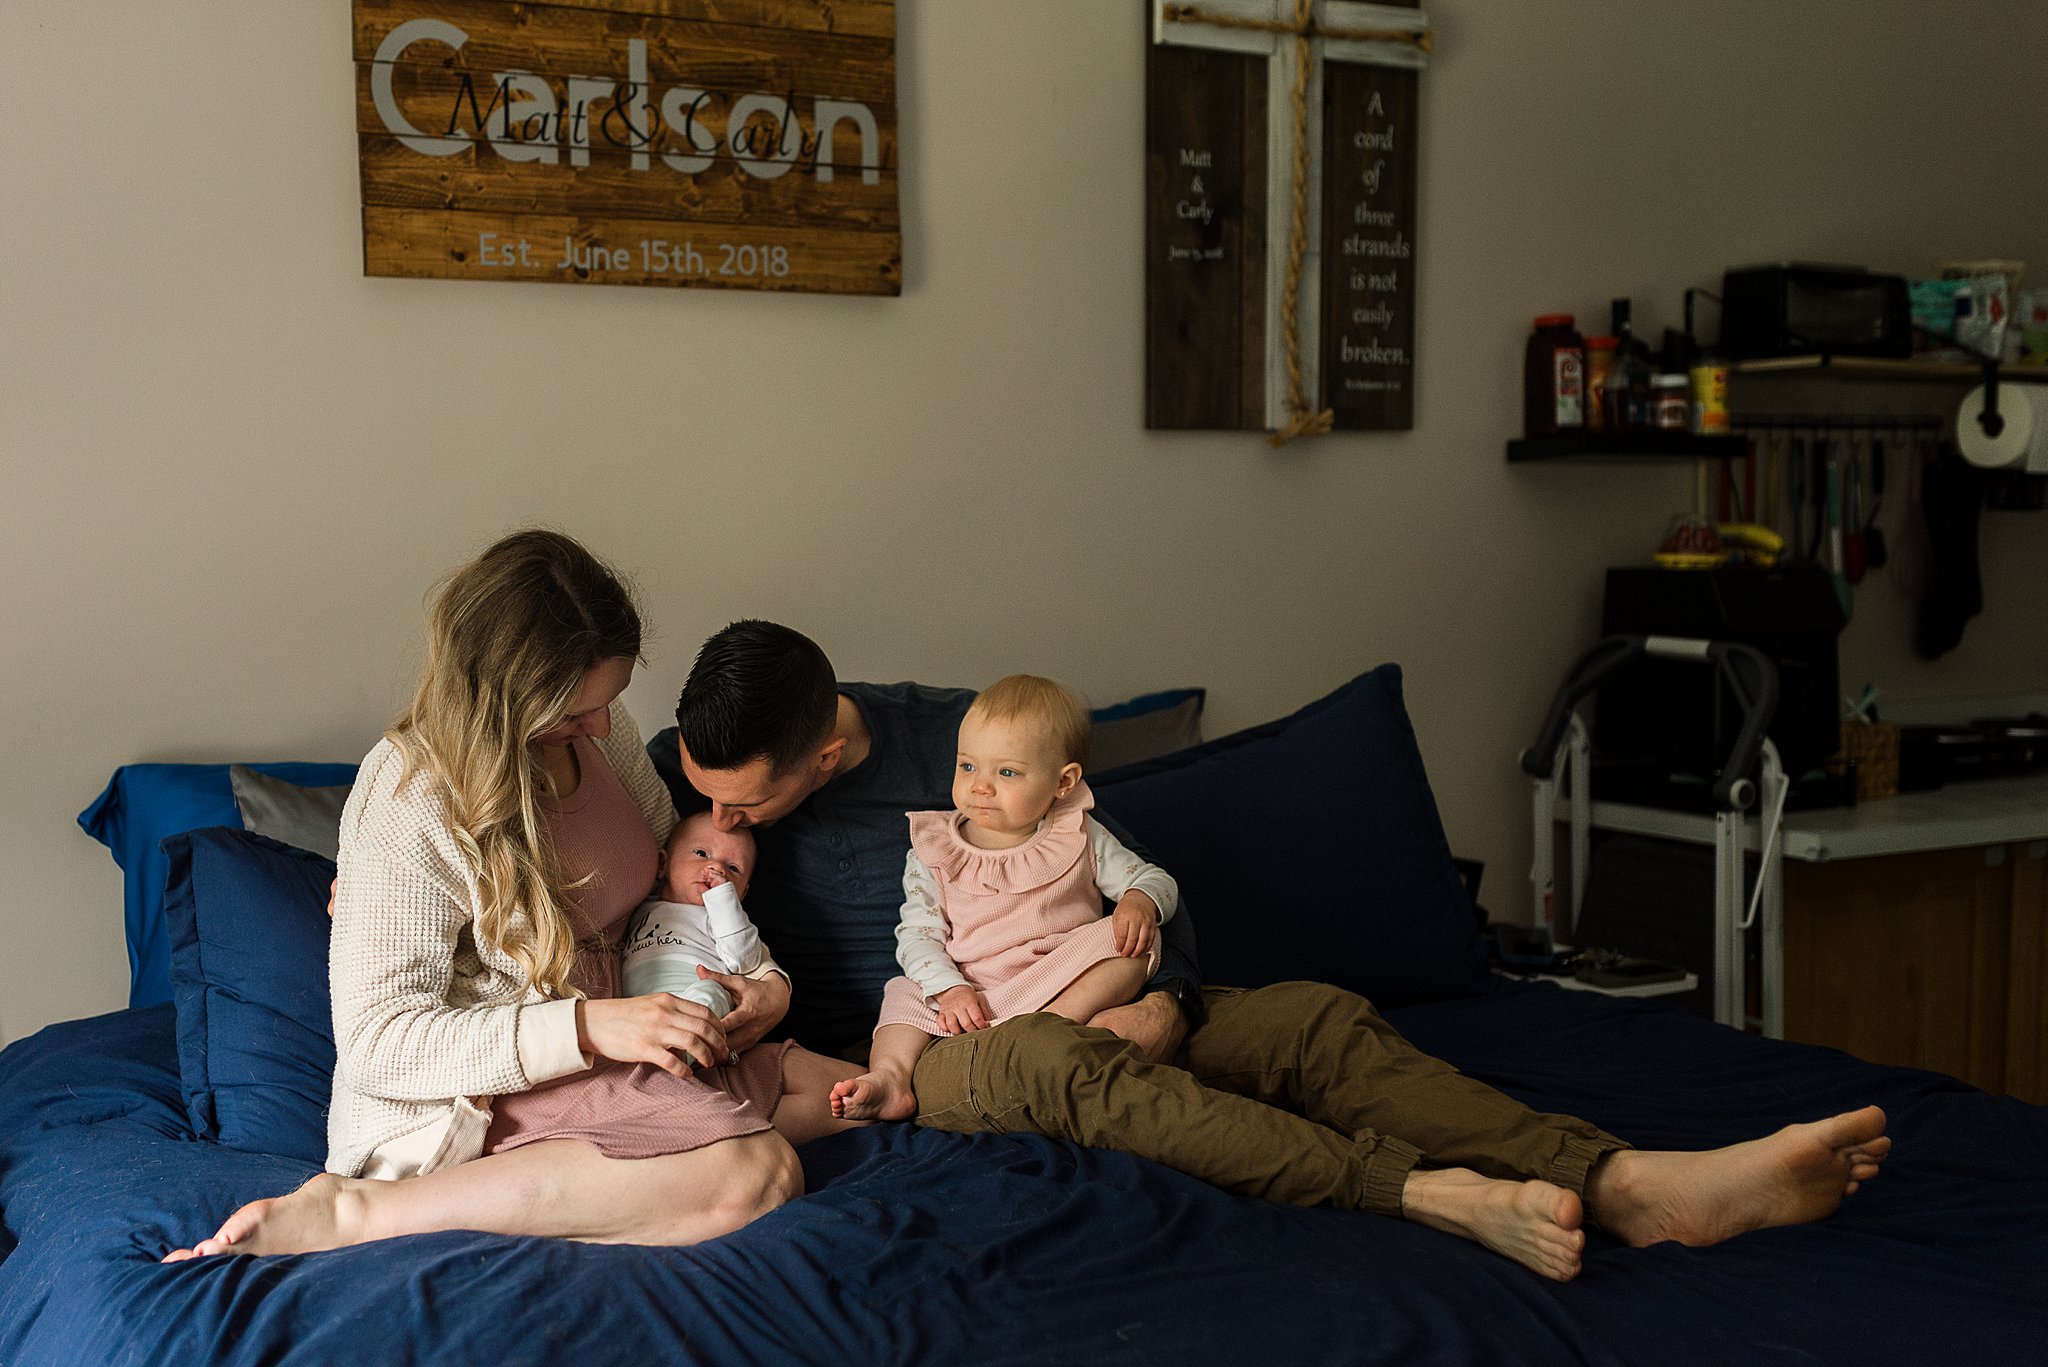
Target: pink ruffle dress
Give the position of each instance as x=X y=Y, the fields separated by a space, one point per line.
x=627 y=1110
x=1022 y=923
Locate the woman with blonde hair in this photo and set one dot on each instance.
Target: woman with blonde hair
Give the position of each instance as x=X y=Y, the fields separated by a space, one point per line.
x=488 y=1076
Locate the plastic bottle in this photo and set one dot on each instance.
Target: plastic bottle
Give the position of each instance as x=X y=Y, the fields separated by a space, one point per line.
x=1554 y=378
x=1628 y=391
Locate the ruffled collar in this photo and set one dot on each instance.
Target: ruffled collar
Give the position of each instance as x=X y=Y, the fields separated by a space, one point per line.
x=1053 y=849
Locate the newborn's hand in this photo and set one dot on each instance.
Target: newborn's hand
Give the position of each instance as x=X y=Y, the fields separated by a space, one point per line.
x=714 y=877
x=1137 y=922
x=961 y=1009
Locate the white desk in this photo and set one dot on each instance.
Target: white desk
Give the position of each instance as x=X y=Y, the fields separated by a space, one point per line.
x=1985 y=812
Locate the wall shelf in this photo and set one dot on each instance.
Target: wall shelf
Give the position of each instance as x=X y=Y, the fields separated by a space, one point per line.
x=1635 y=446
x=1883 y=368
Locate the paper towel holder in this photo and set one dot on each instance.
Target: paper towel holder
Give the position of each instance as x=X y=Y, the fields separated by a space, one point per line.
x=1987 y=417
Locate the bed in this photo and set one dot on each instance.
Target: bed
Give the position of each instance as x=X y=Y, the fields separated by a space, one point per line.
x=913 y=1246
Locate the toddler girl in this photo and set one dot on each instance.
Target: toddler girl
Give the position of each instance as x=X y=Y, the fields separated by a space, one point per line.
x=695 y=917
x=1002 y=898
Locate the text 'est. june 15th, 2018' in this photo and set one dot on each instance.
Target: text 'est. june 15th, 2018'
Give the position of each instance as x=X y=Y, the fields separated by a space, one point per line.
x=647 y=256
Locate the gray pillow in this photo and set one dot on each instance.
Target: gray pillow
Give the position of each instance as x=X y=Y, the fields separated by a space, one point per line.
x=1145 y=728
x=309 y=818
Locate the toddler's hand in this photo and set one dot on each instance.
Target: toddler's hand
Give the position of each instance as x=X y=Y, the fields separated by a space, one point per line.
x=961 y=1009
x=1137 y=922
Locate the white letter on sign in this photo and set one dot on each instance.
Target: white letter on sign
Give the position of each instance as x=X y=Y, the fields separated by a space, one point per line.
x=746 y=143
x=528 y=122
x=827 y=116
x=396 y=42
x=680 y=109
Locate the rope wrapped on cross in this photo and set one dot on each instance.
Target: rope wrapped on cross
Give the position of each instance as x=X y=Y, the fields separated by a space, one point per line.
x=1302 y=422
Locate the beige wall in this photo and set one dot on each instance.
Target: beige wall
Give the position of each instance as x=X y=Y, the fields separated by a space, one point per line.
x=232 y=464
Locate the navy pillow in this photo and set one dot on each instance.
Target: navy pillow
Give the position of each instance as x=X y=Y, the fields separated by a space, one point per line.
x=142 y=806
x=247 y=917
x=1310 y=847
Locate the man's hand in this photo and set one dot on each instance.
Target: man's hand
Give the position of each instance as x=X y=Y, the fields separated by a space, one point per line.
x=1137 y=923
x=961 y=1009
x=758 y=1004
x=1153 y=1022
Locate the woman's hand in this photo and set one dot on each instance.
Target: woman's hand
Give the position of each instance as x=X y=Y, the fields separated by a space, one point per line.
x=1137 y=922
x=961 y=1009
x=759 y=1004
x=659 y=1028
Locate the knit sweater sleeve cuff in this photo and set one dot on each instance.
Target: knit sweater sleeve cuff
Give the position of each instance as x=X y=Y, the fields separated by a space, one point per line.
x=547 y=1041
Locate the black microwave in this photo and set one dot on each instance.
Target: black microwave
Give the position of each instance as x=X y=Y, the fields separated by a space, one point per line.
x=1790 y=309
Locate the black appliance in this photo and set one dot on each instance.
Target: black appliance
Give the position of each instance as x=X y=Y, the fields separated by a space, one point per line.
x=1661 y=728
x=1791 y=309
x=1956 y=752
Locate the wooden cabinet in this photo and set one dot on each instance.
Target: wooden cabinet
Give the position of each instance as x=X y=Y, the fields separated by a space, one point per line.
x=1937 y=959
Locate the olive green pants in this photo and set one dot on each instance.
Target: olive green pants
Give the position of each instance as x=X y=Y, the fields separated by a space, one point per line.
x=1297 y=1092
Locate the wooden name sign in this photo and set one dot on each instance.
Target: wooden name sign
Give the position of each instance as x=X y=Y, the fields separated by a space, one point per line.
x=1280 y=227
x=738 y=144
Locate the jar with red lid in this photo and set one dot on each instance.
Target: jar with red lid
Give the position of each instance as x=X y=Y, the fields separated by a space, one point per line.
x=1554 y=378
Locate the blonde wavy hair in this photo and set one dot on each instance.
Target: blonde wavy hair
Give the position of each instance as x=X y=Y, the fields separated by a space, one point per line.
x=510 y=636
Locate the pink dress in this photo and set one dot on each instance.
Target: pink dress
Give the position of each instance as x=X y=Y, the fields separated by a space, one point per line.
x=627 y=1110
x=1022 y=924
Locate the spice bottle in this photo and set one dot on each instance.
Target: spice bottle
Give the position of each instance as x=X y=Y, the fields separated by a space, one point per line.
x=1554 y=378
x=1600 y=352
x=1671 y=402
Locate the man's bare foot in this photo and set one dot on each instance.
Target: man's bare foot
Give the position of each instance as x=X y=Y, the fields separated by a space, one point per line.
x=327 y=1212
x=879 y=1094
x=1799 y=1174
x=1534 y=1223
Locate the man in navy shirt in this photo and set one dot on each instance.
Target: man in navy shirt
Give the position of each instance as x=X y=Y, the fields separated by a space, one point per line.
x=1294 y=1092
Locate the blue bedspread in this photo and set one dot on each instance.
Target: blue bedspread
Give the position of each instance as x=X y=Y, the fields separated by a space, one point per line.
x=923 y=1247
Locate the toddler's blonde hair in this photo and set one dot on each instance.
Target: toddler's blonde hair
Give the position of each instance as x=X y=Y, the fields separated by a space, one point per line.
x=1047 y=704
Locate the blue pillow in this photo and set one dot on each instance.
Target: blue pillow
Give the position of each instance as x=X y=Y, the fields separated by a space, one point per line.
x=247 y=917
x=1310 y=847
x=144 y=804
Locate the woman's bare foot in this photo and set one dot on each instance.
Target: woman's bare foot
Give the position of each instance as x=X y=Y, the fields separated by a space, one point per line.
x=327 y=1212
x=1534 y=1223
x=1799 y=1174
x=881 y=1093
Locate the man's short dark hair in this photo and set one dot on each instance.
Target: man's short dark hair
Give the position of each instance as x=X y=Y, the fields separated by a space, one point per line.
x=757 y=691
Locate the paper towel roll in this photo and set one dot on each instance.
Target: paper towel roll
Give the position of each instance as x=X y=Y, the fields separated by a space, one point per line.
x=2023 y=444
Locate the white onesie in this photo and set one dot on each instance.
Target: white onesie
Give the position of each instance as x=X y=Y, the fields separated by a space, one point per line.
x=666 y=941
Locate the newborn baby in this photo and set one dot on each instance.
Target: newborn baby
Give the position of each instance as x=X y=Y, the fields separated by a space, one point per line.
x=695 y=917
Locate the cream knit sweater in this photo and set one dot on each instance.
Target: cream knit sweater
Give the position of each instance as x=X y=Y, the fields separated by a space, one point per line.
x=429 y=1021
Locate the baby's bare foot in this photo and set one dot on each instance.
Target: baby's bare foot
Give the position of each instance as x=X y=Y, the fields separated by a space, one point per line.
x=324 y=1213
x=1534 y=1223
x=1797 y=1175
x=881 y=1094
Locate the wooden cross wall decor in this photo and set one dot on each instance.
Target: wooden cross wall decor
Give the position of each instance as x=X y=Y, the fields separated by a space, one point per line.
x=1280 y=215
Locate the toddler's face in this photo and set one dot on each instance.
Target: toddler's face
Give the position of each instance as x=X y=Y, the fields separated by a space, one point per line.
x=1007 y=775
x=700 y=857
